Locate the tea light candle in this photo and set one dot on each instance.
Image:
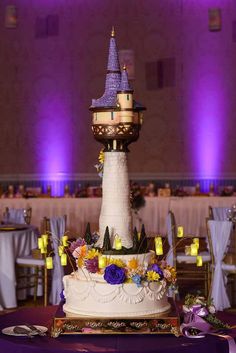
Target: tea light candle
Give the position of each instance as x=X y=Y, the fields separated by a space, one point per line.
x=199 y=261
x=180 y=232
x=118 y=244
x=102 y=261
x=45 y=239
x=64 y=240
x=49 y=263
x=196 y=241
x=60 y=250
x=63 y=259
x=193 y=250
x=40 y=243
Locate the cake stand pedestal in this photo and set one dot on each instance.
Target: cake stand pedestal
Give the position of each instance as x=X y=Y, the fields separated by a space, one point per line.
x=164 y=323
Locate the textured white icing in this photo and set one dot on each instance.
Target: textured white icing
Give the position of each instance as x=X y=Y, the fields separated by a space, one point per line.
x=115 y=210
x=93 y=298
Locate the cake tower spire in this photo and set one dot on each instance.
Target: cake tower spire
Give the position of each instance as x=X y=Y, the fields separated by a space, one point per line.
x=117 y=120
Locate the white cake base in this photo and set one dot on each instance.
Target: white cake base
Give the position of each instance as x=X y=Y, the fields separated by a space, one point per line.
x=97 y=299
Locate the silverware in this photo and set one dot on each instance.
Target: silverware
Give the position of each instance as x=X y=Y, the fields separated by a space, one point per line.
x=35 y=330
x=23 y=331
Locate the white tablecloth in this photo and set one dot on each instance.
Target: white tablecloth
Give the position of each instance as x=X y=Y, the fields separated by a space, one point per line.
x=13 y=244
x=190 y=212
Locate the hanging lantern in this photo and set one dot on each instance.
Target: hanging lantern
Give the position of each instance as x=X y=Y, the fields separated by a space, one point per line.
x=64 y=259
x=65 y=240
x=158 y=245
x=49 y=263
x=45 y=239
x=40 y=243
x=180 y=232
x=60 y=250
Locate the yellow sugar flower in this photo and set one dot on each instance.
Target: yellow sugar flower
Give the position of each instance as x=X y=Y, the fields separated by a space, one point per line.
x=80 y=262
x=92 y=254
x=117 y=262
x=153 y=276
x=101 y=157
x=133 y=264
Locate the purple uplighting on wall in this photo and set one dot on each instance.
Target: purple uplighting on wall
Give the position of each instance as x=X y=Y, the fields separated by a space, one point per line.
x=55 y=131
x=207 y=112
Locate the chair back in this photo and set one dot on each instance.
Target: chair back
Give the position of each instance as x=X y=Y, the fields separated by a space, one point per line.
x=56 y=226
x=219 y=235
x=171 y=235
x=218 y=213
x=17 y=215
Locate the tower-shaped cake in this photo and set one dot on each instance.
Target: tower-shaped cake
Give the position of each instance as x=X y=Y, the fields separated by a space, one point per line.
x=117 y=120
x=126 y=280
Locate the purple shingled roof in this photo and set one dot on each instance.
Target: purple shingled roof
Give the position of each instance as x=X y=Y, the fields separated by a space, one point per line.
x=124 y=83
x=113 y=78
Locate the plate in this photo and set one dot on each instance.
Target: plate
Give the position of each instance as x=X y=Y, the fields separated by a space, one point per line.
x=9 y=330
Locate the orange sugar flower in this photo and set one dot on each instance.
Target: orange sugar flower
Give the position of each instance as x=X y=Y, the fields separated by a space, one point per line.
x=133 y=264
x=83 y=250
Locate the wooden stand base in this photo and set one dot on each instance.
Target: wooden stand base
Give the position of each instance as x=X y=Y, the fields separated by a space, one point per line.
x=165 y=323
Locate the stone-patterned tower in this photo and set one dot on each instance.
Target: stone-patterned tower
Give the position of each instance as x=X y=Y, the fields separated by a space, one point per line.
x=117 y=119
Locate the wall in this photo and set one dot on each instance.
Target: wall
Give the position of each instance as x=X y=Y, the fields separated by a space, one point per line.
x=47 y=83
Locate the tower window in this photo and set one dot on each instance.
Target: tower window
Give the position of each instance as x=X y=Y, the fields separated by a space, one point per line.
x=112 y=116
x=127 y=97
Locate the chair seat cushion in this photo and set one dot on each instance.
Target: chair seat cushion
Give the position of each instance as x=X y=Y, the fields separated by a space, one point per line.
x=229 y=268
x=29 y=260
x=183 y=258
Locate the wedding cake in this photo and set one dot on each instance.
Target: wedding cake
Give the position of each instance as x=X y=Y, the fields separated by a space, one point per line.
x=116 y=275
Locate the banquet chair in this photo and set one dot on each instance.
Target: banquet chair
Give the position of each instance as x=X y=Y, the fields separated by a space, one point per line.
x=218 y=213
x=31 y=271
x=55 y=227
x=219 y=235
x=185 y=265
x=17 y=215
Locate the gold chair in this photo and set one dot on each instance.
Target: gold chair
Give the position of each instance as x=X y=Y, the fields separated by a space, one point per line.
x=31 y=271
x=185 y=264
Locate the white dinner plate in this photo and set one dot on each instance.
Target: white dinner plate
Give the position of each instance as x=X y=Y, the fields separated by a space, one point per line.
x=9 y=330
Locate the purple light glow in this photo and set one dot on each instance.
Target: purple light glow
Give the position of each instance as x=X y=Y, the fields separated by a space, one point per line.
x=53 y=131
x=206 y=114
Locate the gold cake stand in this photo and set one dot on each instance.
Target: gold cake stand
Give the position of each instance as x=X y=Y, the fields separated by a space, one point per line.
x=164 y=323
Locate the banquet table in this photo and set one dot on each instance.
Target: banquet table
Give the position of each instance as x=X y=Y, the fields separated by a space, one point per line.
x=190 y=212
x=137 y=343
x=13 y=243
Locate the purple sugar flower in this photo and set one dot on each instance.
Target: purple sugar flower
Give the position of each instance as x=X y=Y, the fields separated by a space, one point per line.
x=92 y=264
x=114 y=274
x=156 y=269
x=75 y=244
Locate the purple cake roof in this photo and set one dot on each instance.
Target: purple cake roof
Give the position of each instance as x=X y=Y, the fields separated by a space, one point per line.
x=124 y=83
x=113 y=78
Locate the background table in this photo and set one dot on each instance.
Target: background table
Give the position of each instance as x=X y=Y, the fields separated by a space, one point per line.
x=13 y=244
x=102 y=343
x=190 y=212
